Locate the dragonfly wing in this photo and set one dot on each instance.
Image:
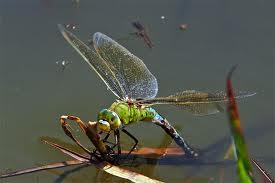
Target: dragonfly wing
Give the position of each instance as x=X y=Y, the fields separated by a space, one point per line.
x=196 y=102
x=202 y=109
x=98 y=64
x=133 y=75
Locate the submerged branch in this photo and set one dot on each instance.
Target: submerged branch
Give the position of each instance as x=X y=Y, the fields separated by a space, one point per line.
x=44 y=167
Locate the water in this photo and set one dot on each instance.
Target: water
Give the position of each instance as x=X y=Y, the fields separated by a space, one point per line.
x=34 y=91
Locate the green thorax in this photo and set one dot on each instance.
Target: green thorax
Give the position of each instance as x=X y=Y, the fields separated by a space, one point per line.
x=129 y=113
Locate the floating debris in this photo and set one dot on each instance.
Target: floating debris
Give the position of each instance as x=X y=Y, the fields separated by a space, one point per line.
x=63 y=64
x=71 y=26
x=183 y=27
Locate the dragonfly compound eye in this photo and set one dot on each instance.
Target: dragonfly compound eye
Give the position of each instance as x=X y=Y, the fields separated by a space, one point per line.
x=110 y=117
x=114 y=120
x=102 y=114
x=104 y=126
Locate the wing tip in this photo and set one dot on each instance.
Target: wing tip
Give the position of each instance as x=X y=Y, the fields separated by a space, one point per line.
x=61 y=28
x=64 y=32
x=96 y=35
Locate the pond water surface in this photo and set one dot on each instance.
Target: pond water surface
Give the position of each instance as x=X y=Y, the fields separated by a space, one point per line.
x=34 y=91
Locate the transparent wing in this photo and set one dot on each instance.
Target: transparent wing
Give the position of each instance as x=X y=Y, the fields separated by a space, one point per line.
x=135 y=79
x=103 y=69
x=196 y=102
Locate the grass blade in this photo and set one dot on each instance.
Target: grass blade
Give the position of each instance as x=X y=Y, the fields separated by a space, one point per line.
x=244 y=167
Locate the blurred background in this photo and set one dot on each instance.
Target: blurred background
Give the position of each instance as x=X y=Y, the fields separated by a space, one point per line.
x=35 y=89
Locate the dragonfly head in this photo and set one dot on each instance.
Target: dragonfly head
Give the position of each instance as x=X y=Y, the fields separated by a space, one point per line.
x=108 y=120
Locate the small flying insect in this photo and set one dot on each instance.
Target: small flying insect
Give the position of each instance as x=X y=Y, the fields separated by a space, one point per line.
x=141 y=32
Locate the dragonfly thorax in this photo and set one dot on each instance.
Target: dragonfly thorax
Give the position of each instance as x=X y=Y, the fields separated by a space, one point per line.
x=130 y=113
x=108 y=120
x=122 y=113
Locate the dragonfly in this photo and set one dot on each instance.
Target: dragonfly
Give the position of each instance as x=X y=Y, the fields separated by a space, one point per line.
x=135 y=88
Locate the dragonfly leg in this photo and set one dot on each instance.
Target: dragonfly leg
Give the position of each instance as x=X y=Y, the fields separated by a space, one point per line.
x=134 y=138
x=67 y=129
x=106 y=137
x=171 y=131
x=117 y=142
x=106 y=140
